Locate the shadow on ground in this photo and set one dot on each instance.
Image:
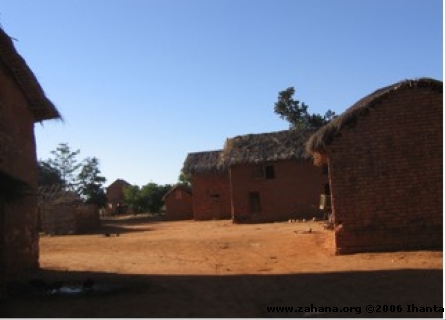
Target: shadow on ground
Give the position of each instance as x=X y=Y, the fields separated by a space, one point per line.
x=117 y=295
x=133 y=219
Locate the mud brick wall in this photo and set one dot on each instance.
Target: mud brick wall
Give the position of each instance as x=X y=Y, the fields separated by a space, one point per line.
x=17 y=160
x=386 y=175
x=179 y=205
x=17 y=142
x=211 y=196
x=115 y=191
x=21 y=237
x=293 y=193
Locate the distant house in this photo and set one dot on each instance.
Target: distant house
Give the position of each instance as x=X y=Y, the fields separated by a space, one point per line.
x=179 y=204
x=272 y=177
x=385 y=162
x=210 y=185
x=256 y=178
x=115 y=197
x=22 y=103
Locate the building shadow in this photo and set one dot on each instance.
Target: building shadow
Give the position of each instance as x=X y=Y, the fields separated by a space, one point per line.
x=132 y=220
x=391 y=293
x=106 y=230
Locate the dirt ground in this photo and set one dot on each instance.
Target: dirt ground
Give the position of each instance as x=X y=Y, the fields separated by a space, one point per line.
x=221 y=269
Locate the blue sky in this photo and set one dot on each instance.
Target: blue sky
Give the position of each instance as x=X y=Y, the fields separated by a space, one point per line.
x=140 y=83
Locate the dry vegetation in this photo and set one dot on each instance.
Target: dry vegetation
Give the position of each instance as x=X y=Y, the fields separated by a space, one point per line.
x=220 y=269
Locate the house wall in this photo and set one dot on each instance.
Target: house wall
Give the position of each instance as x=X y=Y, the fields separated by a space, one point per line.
x=293 y=193
x=115 y=191
x=211 y=196
x=115 y=195
x=2 y=251
x=17 y=160
x=386 y=176
x=179 y=208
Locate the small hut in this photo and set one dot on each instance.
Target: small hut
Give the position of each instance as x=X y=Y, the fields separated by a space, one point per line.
x=272 y=177
x=22 y=103
x=115 y=197
x=178 y=201
x=210 y=185
x=385 y=162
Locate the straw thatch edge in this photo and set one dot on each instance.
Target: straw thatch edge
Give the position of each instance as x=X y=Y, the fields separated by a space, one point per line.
x=185 y=188
x=41 y=107
x=204 y=162
x=318 y=142
x=275 y=146
x=257 y=148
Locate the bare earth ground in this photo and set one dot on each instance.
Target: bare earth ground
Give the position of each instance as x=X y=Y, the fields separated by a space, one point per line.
x=220 y=269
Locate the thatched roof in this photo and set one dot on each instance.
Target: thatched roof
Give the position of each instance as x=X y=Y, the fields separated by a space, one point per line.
x=41 y=107
x=325 y=135
x=186 y=188
x=203 y=163
x=120 y=182
x=250 y=149
x=267 y=147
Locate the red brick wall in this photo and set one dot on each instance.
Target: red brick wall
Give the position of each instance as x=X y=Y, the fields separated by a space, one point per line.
x=386 y=176
x=179 y=205
x=293 y=193
x=20 y=245
x=17 y=142
x=207 y=205
x=115 y=191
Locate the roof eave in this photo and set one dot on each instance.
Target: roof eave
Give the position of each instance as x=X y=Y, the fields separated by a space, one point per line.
x=40 y=106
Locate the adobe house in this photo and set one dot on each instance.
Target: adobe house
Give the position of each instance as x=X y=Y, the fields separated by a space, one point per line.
x=272 y=177
x=179 y=204
x=22 y=103
x=115 y=196
x=385 y=161
x=210 y=185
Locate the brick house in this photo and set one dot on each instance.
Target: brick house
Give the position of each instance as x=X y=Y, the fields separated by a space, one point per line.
x=272 y=177
x=115 y=197
x=179 y=205
x=385 y=161
x=22 y=103
x=210 y=185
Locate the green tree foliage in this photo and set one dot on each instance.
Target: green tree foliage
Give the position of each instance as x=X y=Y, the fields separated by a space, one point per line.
x=66 y=163
x=184 y=179
x=132 y=198
x=90 y=182
x=82 y=177
x=148 y=198
x=296 y=112
x=155 y=193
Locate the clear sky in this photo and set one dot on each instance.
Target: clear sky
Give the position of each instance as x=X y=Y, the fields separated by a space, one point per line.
x=140 y=83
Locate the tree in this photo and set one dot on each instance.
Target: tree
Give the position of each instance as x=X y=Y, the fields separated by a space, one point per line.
x=90 y=183
x=296 y=112
x=82 y=177
x=47 y=175
x=156 y=194
x=66 y=164
x=184 y=180
x=148 y=198
x=132 y=197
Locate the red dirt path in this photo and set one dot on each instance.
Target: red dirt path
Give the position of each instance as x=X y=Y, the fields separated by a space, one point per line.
x=220 y=269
